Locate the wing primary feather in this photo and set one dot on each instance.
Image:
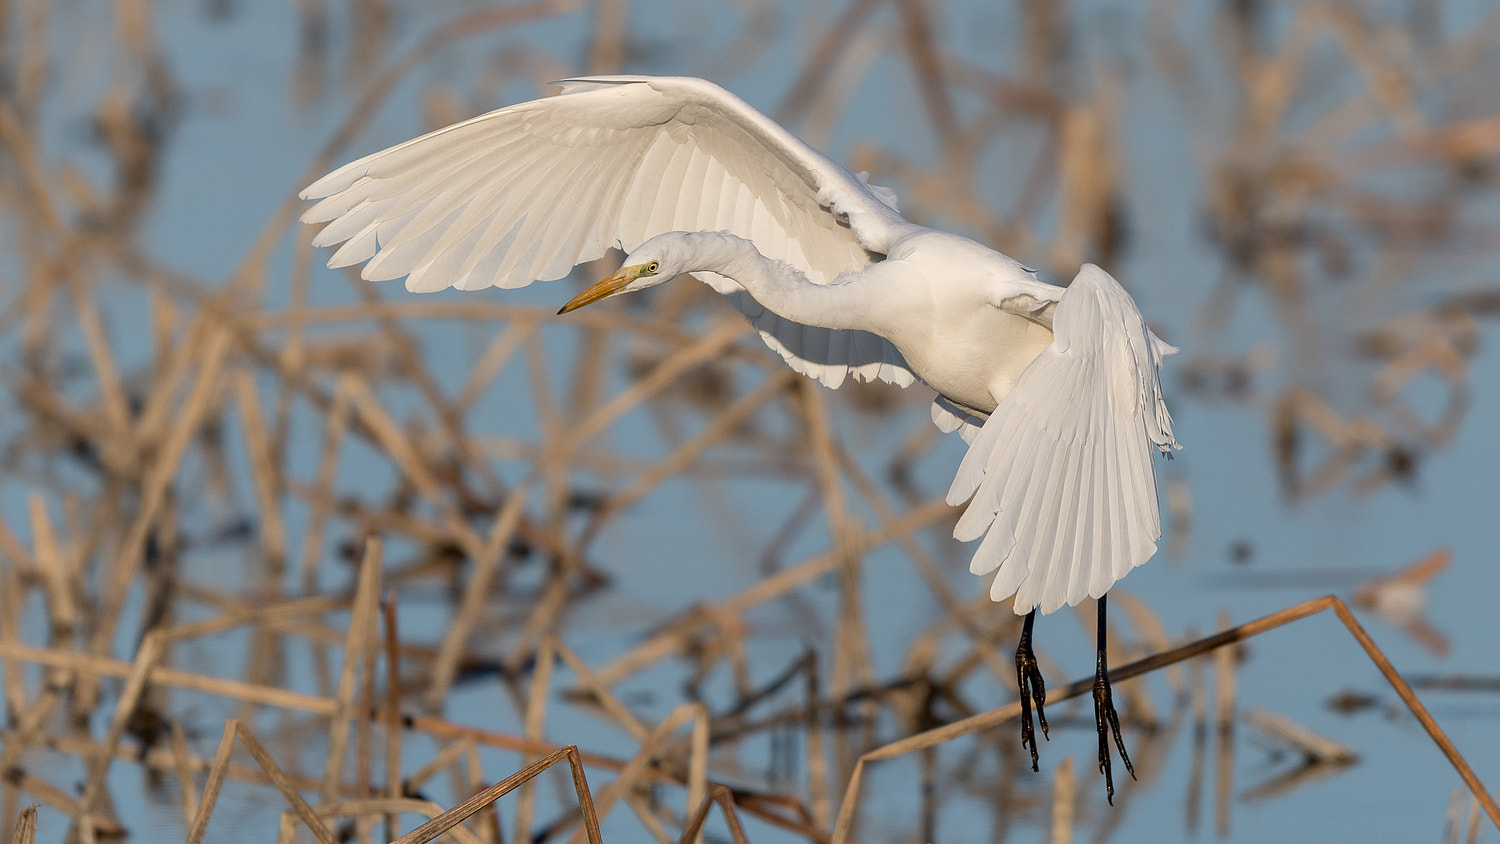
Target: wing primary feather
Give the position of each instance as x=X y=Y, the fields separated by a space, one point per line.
x=1084 y=553
x=643 y=192
x=688 y=216
x=1060 y=523
x=541 y=230
x=572 y=245
x=520 y=207
x=469 y=190
x=663 y=211
x=470 y=237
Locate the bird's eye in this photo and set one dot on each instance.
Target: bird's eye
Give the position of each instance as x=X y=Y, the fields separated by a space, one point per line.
x=653 y=267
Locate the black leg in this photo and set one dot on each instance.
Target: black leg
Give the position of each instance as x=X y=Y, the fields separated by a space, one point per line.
x=1028 y=674
x=1105 y=719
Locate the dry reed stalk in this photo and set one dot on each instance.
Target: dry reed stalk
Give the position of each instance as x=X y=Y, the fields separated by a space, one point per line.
x=265 y=475
x=490 y=363
x=1064 y=787
x=1220 y=640
x=822 y=59
x=927 y=65
x=392 y=715
x=135 y=686
x=815 y=755
x=607 y=46
x=722 y=797
x=596 y=687
x=29 y=726
x=699 y=352
x=440 y=761
x=93 y=667
x=336 y=426
x=1315 y=749
x=768 y=808
x=211 y=785
x=1149 y=627
x=405 y=452
x=768 y=588
x=488 y=820
x=362 y=621
x=157 y=758
x=983 y=647
x=240 y=614
x=1225 y=689
x=374 y=519
x=545 y=613
x=460 y=813
x=851 y=656
x=111 y=388
x=1198 y=703
x=486 y=565
x=19 y=141
x=984 y=644
x=159 y=476
x=1087 y=176
x=376 y=806
x=52 y=569
x=652 y=815
x=534 y=722
x=284 y=785
x=25 y=831
x=720 y=428
x=183 y=768
x=264 y=661
x=412 y=364
x=955 y=610
x=295 y=345
x=10 y=801
x=12 y=597
x=153 y=421
x=50 y=795
x=525 y=317
x=652 y=746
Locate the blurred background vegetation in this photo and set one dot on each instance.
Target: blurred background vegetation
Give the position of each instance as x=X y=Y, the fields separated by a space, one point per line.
x=411 y=545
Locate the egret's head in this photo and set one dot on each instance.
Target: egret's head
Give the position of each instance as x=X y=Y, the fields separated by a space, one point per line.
x=646 y=267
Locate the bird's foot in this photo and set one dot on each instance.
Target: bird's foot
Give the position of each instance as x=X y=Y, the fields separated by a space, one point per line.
x=1033 y=688
x=1107 y=722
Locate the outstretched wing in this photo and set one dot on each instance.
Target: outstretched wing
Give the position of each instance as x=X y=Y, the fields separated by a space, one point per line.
x=1064 y=490
x=529 y=191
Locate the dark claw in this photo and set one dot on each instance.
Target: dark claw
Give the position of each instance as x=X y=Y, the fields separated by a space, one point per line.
x=1104 y=715
x=1028 y=674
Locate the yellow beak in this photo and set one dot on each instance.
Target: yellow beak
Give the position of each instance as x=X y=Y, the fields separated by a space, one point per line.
x=603 y=290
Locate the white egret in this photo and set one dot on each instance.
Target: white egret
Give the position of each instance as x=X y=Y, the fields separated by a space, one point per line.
x=1055 y=389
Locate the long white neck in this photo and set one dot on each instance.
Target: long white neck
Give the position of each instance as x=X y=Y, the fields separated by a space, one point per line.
x=777 y=285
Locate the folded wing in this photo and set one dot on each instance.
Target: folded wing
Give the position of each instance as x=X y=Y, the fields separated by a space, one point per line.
x=1061 y=474
x=529 y=191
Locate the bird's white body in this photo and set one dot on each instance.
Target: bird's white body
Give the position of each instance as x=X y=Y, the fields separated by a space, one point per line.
x=1055 y=389
x=952 y=335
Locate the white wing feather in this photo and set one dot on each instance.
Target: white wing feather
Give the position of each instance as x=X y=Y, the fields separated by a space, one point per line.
x=529 y=191
x=1064 y=490
x=949 y=417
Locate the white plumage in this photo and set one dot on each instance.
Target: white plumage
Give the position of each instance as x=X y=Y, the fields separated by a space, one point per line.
x=1055 y=389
